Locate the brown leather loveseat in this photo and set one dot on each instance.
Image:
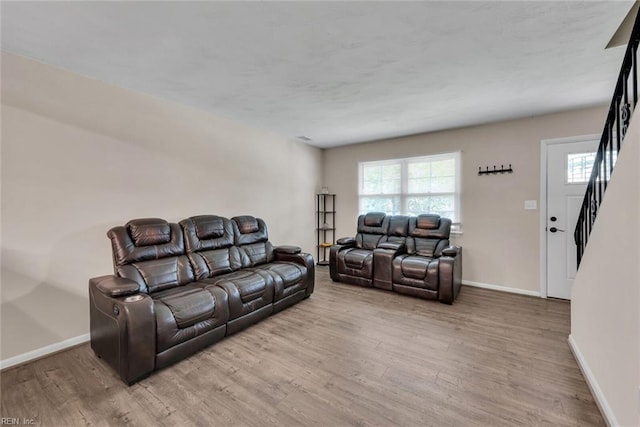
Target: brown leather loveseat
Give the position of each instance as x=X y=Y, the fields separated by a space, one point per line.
x=178 y=288
x=409 y=255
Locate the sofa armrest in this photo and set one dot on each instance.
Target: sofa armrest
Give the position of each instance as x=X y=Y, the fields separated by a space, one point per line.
x=396 y=247
x=114 y=286
x=383 y=256
x=450 y=274
x=346 y=241
x=122 y=329
x=301 y=258
x=287 y=249
x=451 y=251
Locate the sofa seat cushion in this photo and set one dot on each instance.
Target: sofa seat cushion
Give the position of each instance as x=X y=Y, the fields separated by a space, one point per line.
x=356 y=258
x=414 y=267
x=188 y=305
x=355 y=263
x=417 y=271
x=185 y=312
x=250 y=285
x=288 y=277
x=288 y=273
x=248 y=290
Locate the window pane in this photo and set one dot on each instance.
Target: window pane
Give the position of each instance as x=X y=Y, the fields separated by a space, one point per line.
x=391 y=179
x=418 y=177
x=391 y=186
x=381 y=179
x=443 y=167
x=445 y=184
x=419 y=170
x=442 y=205
x=371 y=178
x=389 y=205
x=418 y=205
x=418 y=185
x=431 y=177
x=579 y=166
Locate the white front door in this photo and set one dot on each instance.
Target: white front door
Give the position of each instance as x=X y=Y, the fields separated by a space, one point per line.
x=568 y=170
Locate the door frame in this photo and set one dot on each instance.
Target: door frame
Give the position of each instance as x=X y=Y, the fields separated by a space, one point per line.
x=543 y=199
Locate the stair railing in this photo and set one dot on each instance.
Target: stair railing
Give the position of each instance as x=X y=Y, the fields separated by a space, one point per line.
x=625 y=98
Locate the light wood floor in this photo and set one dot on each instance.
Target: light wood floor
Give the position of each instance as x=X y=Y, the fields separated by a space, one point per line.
x=346 y=356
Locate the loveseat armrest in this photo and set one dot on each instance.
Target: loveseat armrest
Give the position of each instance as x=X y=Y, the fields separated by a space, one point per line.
x=451 y=251
x=450 y=274
x=346 y=241
x=114 y=286
x=341 y=243
x=287 y=249
x=122 y=327
x=383 y=256
x=301 y=258
x=394 y=246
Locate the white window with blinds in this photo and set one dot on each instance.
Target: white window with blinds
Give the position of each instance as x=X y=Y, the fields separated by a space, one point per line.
x=429 y=184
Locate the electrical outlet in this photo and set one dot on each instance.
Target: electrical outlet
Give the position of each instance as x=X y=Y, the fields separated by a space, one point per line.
x=531 y=205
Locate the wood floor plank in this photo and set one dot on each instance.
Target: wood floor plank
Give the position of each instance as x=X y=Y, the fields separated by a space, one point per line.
x=347 y=356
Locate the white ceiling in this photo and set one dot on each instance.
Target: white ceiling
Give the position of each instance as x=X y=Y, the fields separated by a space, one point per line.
x=337 y=72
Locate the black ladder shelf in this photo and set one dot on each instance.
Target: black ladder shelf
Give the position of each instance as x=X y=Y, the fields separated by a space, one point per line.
x=325 y=226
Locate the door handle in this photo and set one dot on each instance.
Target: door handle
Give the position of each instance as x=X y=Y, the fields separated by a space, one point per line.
x=554 y=229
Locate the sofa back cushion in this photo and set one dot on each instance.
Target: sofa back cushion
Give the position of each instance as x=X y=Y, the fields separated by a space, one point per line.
x=158 y=275
x=372 y=228
x=149 y=231
x=209 y=241
x=428 y=235
x=398 y=229
x=207 y=232
x=252 y=241
x=151 y=252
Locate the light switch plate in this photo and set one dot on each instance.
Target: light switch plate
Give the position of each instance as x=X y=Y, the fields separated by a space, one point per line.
x=531 y=205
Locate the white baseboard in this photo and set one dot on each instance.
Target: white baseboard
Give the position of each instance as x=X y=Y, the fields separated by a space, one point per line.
x=501 y=288
x=601 y=401
x=42 y=352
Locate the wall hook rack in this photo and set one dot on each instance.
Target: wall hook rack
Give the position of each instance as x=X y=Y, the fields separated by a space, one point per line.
x=495 y=170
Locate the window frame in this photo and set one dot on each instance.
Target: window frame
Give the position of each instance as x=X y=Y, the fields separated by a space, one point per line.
x=404 y=194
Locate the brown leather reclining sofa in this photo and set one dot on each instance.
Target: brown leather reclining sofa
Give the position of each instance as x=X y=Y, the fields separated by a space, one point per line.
x=409 y=255
x=178 y=288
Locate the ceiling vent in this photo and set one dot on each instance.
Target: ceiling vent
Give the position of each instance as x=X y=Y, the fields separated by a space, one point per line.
x=304 y=138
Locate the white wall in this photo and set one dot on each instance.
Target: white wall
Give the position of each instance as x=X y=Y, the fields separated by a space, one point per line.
x=605 y=305
x=500 y=239
x=80 y=156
